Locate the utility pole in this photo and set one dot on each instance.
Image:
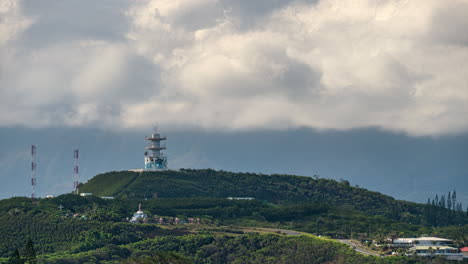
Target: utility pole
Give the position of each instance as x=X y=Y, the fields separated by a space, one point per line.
x=33 y=173
x=76 y=173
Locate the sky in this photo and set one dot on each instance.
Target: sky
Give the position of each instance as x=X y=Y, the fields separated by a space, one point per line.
x=389 y=73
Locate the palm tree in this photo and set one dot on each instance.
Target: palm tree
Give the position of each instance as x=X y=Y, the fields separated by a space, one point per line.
x=431 y=251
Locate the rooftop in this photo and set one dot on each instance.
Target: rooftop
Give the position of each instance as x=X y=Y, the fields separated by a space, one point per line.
x=403 y=240
x=432 y=239
x=432 y=247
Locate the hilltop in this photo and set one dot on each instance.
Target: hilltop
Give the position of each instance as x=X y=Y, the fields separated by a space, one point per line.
x=275 y=189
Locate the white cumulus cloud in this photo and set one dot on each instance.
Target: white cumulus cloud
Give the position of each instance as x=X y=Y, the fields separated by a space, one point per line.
x=396 y=65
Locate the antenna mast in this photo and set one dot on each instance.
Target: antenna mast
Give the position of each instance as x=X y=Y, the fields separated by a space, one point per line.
x=76 y=174
x=33 y=172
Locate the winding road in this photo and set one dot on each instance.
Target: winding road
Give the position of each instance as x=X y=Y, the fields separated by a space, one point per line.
x=353 y=244
x=358 y=247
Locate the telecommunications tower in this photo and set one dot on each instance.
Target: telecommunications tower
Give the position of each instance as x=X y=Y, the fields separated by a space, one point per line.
x=156 y=159
x=76 y=174
x=33 y=172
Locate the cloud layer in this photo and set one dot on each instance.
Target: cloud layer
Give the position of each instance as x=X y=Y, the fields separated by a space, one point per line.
x=396 y=65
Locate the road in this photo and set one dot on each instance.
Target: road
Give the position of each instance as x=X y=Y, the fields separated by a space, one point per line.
x=358 y=247
x=272 y=230
x=353 y=244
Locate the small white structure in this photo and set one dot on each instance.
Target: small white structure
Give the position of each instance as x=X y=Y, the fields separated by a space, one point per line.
x=402 y=242
x=241 y=198
x=138 y=215
x=137 y=170
x=85 y=194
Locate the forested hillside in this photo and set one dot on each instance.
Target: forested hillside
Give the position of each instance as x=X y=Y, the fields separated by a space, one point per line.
x=276 y=189
x=211 y=228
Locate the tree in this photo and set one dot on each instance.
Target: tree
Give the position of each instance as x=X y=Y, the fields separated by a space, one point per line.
x=442 y=201
x=449 y=201
x=393 y=236
x=432 y=252
x=454 y=198
x=30 y=253
x=15 y=258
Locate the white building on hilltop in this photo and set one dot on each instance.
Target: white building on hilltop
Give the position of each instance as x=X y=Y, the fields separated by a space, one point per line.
x=138 y=215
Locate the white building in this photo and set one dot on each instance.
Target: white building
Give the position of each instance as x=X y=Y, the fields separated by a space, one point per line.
x=429 y=246
x=138 y=215
x=421 y=241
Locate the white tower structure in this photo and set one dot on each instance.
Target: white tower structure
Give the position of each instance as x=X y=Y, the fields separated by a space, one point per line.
x=156 y=159
x=138 y=215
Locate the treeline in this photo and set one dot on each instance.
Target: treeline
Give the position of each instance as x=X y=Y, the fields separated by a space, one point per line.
x=449 y=202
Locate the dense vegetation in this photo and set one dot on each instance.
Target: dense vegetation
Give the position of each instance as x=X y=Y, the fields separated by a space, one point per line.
x=75 y=229
x=235 y=249
x=276 y=189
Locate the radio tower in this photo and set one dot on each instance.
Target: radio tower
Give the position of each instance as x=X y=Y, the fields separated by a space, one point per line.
x=33 y=172
x=75 y=171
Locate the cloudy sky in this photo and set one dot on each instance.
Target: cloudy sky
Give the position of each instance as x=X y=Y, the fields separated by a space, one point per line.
x=399 y=67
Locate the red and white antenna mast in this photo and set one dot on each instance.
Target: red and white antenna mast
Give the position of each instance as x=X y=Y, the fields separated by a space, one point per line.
x=76 y=174
x=33 y=172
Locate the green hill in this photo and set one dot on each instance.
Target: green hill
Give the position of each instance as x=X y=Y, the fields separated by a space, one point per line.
x=75 y=229
x=275 y=189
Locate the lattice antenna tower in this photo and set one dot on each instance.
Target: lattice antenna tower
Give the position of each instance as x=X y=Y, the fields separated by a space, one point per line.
x=76 y=173
x=33 y=172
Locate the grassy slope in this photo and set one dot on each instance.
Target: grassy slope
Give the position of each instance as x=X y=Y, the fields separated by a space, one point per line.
x=109 y=184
